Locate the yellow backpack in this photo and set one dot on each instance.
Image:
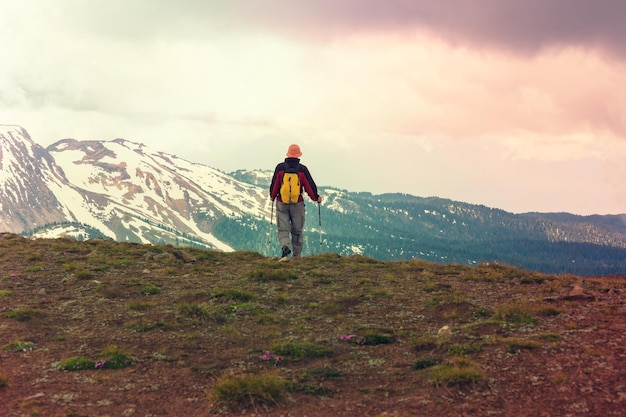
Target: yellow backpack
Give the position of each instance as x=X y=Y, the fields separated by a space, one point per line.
x=290 y=189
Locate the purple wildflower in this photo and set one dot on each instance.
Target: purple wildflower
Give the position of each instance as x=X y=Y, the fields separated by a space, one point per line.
x=269 y=356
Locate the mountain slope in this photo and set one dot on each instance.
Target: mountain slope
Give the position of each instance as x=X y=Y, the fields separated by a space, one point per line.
x=29 y=182
x=151 y=196
x=345 y=336
x=127 y=192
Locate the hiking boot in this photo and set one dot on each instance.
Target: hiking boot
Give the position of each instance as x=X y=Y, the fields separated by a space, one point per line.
x=286 y=251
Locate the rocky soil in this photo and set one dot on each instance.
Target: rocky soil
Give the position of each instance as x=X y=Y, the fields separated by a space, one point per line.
x=100 y=328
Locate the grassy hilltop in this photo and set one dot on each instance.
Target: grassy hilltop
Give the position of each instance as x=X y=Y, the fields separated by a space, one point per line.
x=100 y=328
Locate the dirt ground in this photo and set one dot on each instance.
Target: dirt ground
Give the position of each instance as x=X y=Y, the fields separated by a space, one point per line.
x=539 y=345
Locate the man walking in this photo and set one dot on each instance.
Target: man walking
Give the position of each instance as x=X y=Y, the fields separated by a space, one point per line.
x=290 y=178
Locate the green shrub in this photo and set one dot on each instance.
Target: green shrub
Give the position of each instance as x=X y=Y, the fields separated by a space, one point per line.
x=5 y=293
x=115 y=358
x=301 y=350
x=76 y=364
x=151 y=290
x=19 y=346
x=23 y=314
x=111 y=358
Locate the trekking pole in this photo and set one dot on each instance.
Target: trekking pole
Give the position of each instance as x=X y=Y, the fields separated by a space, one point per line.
x=319 y=218
x=269 y=233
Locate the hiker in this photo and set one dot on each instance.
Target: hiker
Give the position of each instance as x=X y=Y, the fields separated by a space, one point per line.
x=290 y=178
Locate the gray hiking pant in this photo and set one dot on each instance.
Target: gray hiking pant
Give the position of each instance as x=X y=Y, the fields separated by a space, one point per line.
x=290 y=219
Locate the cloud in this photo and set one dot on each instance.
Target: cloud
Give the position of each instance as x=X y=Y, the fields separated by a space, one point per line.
x=495 y=93
x=514 y=25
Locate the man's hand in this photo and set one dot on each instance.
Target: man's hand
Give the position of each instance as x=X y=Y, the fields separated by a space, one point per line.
x=319 y=198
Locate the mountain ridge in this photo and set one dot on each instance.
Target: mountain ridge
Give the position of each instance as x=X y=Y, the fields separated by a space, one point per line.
x=128 y=192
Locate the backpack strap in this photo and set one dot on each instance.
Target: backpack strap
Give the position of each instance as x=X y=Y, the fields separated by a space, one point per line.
x=289 y=169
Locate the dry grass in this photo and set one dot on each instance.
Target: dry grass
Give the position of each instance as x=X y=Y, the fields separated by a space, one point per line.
x=259 y=334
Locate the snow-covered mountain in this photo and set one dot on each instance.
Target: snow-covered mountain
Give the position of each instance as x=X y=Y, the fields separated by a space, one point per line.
x=127 y=192
x=120 y=188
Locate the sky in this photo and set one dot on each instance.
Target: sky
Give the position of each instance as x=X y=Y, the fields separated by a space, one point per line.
x=518 y=105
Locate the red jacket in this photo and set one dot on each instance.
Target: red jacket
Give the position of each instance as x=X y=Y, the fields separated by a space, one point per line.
x=306 y=181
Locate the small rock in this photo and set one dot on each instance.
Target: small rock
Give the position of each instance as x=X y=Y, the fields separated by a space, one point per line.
x=444 y=332
x=578 y=294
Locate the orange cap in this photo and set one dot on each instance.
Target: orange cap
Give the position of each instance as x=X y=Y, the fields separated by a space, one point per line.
x=294 y=151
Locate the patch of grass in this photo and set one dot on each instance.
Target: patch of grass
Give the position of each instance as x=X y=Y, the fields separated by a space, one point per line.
x=548 y=311
x=425 y=363
x=249 y=390
x=142 y=305
x=425 y=342
x=440 y=300
x=204 y=255
x=373 y=337
x=234 y=295
x=301 y=350
x=83 y=274
x=100 y=268
x=550 y=337
x=76 y=363
x=310 y=389
x=19 y=346
x=281 y=275
x=34 y=269
x=142 y=327
x=516 y=345
x=500 y=272
x=24 y=314
x=114 y=357
x=515 y=313
x=434 y=287
x=151 y=289
x=111 y=358
x=71 y=266
x=456 y=372
x=282 y=298
x=380 y=293
x=476 y=276
x=534 y=278
x=5 y=293
x=201 y=311
x=242 y=309
x=464 y=348
x=482 y=313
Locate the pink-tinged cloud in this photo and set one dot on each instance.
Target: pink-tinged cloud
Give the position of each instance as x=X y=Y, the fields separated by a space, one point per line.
x=525 y=26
